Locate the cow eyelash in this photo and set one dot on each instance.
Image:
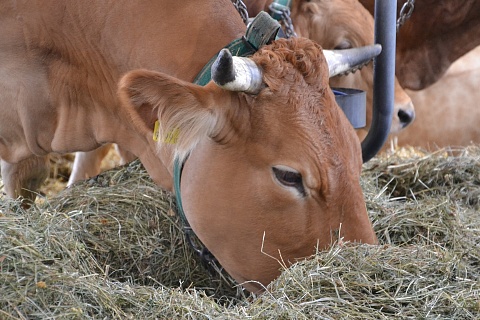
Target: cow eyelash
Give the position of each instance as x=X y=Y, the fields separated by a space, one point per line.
x=288 y=178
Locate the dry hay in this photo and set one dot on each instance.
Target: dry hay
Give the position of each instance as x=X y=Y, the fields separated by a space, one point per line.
x=111 y=248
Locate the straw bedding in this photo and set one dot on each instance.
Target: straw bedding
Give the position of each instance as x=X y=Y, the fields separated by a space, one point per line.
x=112 y=248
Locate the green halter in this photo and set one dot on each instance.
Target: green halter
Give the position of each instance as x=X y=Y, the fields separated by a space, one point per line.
x=261 y=31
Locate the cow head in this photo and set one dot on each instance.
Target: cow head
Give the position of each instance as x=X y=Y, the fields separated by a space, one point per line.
x=344 y=24
x=271 y=172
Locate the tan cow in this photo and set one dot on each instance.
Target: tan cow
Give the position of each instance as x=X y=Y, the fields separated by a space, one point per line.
x=437 y=34
x=343 y=24
x=272 y=171
x=338 y=24
x=448 y=112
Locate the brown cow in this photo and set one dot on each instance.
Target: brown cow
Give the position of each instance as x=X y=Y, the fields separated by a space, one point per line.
x=339 y=24
x=344 y=24
x=448 y=111
x=437 y=34
x=272 y=171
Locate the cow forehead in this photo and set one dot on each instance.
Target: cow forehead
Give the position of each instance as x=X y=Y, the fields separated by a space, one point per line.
x=297 y=97
x=295 y=113
x=293 y=63
x=295 y=74
x=342 y=18
x=307 y=125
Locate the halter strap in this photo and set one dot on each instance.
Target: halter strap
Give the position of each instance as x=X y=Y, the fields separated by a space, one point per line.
x=260 y=32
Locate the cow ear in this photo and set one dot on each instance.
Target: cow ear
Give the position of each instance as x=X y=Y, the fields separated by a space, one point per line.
x=133 y=92
x=184 y=110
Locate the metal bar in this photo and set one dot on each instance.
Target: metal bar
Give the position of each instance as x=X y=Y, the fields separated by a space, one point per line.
x=383 y=79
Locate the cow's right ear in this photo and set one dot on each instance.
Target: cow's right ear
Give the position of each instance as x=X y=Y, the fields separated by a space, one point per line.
x=179 y=106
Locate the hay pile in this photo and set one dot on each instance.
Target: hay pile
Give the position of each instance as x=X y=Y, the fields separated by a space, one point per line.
x=112 y=248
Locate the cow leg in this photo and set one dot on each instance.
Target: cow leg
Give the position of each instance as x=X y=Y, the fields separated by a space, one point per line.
x=125 y=156
x=87 y=164
x=25 y=177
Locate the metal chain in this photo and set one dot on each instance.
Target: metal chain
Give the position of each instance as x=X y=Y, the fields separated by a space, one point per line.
x=242 y=10
x=405 y=13
x=284 y=12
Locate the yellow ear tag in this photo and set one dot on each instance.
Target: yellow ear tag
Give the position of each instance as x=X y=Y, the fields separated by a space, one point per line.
x=172 y=136
x=156 y=130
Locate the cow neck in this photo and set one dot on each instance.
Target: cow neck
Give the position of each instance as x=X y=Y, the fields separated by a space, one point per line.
x=261 y=31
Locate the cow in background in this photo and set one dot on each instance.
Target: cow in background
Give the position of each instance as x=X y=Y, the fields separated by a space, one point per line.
x=339 y=24
x=437 y=34
x=271 y=165
x=448 y=112
x=343 y=24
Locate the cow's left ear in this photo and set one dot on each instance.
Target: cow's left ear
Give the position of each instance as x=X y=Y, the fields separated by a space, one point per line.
x=182 y=108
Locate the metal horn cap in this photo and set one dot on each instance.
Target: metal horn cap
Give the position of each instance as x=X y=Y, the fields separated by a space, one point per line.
x=236 y=73
x=341 y=61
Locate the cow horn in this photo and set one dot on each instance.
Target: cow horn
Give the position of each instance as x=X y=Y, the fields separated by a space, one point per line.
x=236 y=73
x=340 y=61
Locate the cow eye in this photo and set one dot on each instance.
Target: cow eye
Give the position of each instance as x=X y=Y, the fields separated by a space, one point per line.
x=289 y=178
x=344 y=44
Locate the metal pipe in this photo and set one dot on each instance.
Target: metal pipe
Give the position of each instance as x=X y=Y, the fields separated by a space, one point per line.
x=383 y=78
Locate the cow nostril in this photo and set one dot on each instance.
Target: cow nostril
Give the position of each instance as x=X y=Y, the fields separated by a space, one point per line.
x=406 y=117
